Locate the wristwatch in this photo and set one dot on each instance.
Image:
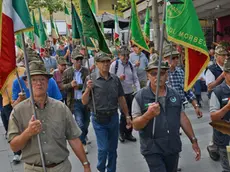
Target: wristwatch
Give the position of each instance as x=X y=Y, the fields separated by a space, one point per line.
x=193 y=139
x=85 y=163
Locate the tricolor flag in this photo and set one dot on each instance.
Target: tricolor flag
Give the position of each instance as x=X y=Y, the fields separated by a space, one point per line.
x=67 y=17
x=36 y=32
x=42 y=35
x=180 y=22
x=0 y=24
x=15 y=18
x=54 y=33
x=117 y=29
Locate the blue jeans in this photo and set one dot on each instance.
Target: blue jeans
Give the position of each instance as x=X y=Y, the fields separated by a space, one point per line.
x=82 y=118
x=107 y=142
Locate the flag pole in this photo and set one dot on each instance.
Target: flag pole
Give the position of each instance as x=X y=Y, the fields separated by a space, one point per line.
x=87 y=58
x=19 y=83
x=160 y=59
x=32 y=100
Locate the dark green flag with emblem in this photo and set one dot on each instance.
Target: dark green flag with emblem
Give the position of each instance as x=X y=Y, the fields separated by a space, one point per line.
x=77 y=31
x=183 y=27
x=91 y=28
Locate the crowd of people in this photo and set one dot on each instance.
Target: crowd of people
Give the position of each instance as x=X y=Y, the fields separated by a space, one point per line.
x=73 y=86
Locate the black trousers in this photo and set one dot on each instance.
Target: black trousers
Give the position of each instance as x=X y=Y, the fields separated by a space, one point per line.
x=5 y=115
x=123 y=129
x=160 y=163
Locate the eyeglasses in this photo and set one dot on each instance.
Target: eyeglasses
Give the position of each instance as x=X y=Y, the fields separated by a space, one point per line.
x=162 y=73
x=36 y=80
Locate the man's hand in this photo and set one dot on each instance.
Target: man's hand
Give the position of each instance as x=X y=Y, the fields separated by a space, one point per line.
x=74 y=83
x=196 y=149
x=34 y=127
x=122 y=77
x=198 y=112
x=87 y=168
x=67 y=52
x=153 y=110
x=129 y=122
x=137 y=63
x=21 y=96
x=92 y=67
x=89 y=84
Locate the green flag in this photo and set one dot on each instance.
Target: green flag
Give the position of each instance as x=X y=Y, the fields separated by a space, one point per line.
x=36 y=32
x=137 y=34
x=54 y=33
x=77 y=29
x=180 y=22
x=19 y=41
x=91 y=28
x=75 y=18
x=147 y=25
x=56 y=27
x=42 y=34
x=93 y=7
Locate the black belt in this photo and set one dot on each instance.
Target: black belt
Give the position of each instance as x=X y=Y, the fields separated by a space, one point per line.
x=47 y=166
x=106 y=112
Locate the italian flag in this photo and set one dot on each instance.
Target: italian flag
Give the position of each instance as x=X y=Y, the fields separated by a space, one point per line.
x=54 y=33
x=15 y=18
x=117 y=29
x=36 y=32
x=67 y=17
x=42 y=34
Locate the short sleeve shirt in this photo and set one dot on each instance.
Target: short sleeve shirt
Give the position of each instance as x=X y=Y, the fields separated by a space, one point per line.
x=58 y=126
x=106 y=92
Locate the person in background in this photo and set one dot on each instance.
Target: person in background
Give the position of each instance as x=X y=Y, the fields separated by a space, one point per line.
x=73 y=79
x=127 y=74
x=58 y=74
x=140 y=61
x=49 y=61
x=68 y=51
x=7 y=104
x=50 y=48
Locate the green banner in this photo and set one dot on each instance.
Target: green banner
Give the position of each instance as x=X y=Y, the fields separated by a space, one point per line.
x=137 y=34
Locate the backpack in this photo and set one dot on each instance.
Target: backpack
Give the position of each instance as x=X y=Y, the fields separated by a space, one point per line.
x=116 y=66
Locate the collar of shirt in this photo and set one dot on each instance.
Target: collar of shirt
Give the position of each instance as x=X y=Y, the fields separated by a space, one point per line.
x=98 y=75
x=37 y=106
x=75 y=70
x=221 y=67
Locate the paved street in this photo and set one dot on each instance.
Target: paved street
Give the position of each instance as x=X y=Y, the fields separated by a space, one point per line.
x=129 y=158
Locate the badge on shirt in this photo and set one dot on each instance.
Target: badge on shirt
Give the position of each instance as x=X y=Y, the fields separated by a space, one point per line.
x=173 y=99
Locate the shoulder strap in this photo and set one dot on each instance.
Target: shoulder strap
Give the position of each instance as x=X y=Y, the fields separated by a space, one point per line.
x=131 y=66
x=116 y=66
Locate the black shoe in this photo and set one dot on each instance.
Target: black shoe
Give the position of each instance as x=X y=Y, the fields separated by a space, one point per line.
x=131 y=138
x=122 y=138
x=214 y=155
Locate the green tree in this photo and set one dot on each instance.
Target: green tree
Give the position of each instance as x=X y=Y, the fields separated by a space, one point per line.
x=122 y=4
x=51 y=5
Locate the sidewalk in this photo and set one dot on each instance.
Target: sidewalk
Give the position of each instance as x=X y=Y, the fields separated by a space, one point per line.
x=129 y=157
